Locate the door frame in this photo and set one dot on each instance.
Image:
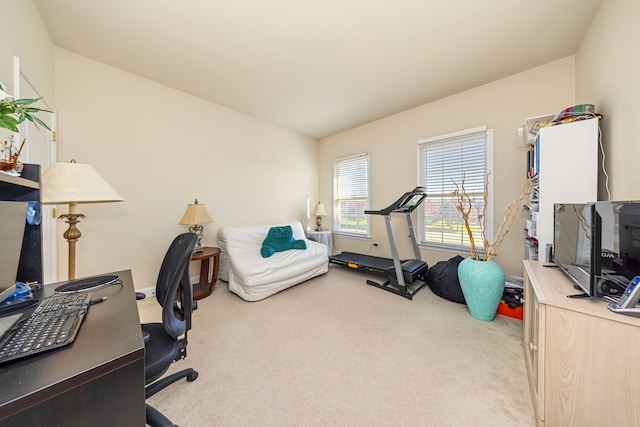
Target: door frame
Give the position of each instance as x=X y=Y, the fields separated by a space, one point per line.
x=44 y=149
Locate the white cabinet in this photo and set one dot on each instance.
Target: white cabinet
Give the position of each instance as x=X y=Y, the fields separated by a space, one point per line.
x=581 y=358
x=564 y=163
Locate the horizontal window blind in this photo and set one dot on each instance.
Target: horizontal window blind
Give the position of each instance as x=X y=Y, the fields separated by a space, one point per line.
x=443 y=162
x=351 y=195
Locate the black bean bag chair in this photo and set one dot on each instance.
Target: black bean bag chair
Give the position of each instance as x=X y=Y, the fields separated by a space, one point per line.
x=442 y=278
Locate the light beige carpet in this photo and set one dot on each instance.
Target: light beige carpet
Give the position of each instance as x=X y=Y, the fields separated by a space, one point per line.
x=334 y=351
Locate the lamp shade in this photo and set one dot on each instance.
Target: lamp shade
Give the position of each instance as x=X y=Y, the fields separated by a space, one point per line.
x=76 y=183
x=195 y=214
x=320 y=211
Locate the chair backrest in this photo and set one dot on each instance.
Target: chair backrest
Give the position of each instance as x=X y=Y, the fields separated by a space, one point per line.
x=173 y=289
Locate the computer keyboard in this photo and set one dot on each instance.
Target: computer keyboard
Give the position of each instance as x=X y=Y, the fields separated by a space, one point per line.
x=54 y=323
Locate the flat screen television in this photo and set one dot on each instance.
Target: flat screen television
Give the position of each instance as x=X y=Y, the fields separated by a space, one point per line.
x=597 y=245
x=574 y=245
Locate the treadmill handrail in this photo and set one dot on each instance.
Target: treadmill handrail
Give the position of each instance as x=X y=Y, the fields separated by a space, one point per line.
x=400 y=205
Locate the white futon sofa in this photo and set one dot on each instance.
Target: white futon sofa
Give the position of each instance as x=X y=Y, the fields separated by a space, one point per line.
x=253 y=277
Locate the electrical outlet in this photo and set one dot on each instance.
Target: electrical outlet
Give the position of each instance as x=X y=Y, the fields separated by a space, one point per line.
x=150 y=292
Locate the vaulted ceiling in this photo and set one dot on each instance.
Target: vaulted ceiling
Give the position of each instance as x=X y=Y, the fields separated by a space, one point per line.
x=320 y=67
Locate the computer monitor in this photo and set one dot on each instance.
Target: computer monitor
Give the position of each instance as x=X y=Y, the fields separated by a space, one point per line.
x=13 y=219
x=620 y=245
x=598 y=244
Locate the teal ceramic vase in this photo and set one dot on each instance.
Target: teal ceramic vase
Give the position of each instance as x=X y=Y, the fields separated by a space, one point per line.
x=482 y=284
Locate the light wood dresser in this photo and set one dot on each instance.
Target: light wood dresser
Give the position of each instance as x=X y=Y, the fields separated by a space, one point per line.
x=583 y=361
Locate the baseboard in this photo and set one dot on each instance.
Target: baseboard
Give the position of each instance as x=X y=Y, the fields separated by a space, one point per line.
x=150 y=291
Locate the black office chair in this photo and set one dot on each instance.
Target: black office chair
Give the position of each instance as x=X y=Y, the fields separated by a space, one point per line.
x=166 y=342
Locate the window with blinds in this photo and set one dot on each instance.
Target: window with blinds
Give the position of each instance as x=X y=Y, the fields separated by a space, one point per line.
x=351 y=195
x=444 y=161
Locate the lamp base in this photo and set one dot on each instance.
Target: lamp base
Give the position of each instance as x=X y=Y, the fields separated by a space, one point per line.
x=197 y=230
x=72 y=235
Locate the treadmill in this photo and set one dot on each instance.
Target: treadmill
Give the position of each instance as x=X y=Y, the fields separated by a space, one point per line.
x=404 y=277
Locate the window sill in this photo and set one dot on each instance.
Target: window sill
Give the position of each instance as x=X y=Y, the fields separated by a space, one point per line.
x=462 y=250
x=351 y=236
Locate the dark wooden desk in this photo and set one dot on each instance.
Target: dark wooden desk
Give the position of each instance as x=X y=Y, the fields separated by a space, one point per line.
x=96 y=381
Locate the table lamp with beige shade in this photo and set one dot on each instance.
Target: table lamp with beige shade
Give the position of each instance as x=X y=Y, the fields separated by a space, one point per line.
x=319 y=212
x=75 y=183
x=194 y=216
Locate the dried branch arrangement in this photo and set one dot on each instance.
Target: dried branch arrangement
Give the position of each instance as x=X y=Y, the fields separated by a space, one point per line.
x=465 y=206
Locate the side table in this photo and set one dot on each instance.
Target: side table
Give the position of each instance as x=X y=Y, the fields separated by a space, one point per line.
x=205 y=287
x=321 y=236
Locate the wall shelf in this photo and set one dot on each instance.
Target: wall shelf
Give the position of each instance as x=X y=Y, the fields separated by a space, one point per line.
x=17 y=187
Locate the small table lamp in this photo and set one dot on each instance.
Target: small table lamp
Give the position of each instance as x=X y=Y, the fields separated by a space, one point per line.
x=73 y=183
x=195 y=215
x=319 y=212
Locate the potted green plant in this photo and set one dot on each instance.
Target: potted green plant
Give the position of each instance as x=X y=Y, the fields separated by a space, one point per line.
x=481 y=278
x=12 y=113
x=15 y=111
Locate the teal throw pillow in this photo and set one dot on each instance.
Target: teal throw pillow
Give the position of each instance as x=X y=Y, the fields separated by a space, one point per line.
x=280 y=239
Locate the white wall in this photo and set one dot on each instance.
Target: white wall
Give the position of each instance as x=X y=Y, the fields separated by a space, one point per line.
x=24 y=35
x=392 y=145
x=160 y=149
x=133 y=131
x=607 y=75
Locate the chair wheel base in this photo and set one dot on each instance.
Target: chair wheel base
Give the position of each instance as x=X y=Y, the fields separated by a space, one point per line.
x=154 y=418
